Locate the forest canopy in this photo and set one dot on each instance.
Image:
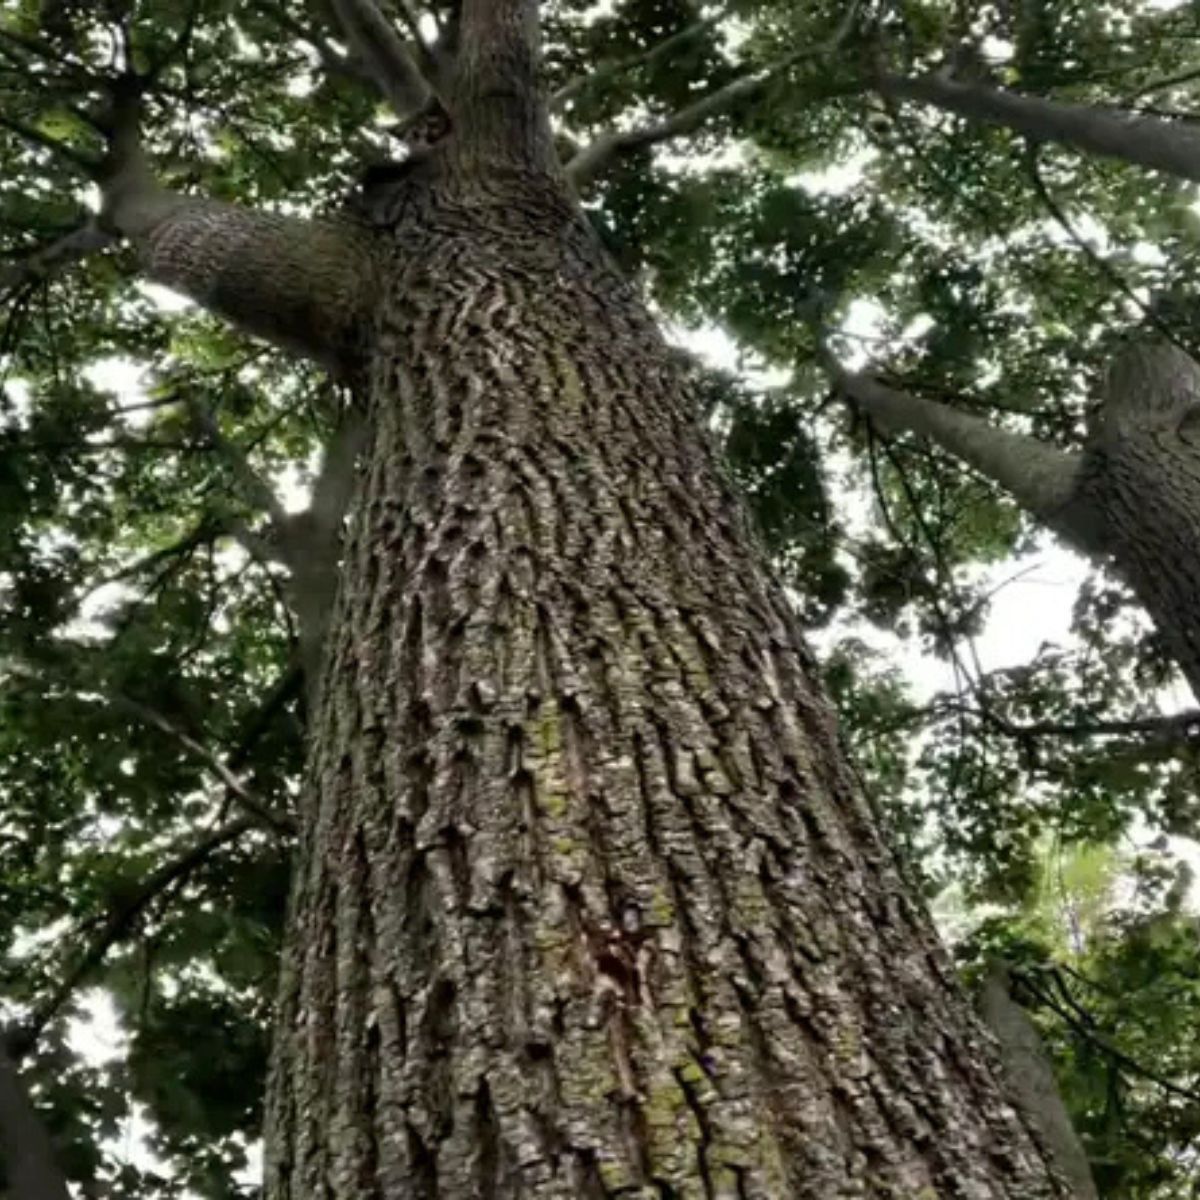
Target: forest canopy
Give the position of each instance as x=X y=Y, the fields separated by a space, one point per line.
x=799 y=191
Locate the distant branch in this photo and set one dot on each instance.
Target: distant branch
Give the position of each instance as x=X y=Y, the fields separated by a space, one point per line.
x=1176 y=728
x=1172 y=147
x=68 y=154
x=1106 y=1047
x=374 y=40
x=592 y=159
x=1044 y=480
x=256 y=490
x=259 y=809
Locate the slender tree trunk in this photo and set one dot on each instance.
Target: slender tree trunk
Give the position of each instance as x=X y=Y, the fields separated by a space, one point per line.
x=588 y=902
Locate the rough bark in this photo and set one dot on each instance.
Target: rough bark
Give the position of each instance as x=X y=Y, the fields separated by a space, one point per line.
x=588 y=902
x=1162 y=145
x=1145 y=475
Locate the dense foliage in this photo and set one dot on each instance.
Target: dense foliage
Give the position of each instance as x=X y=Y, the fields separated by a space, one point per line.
x=150 y=678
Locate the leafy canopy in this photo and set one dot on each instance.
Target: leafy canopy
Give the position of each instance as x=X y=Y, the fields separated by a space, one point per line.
x=149 y=643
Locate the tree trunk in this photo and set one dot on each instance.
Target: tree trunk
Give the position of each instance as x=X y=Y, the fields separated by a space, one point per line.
x=588 y=902
x=1145 y=477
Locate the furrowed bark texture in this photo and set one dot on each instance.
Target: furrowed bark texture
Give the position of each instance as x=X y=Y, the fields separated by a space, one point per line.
x=1146 y=479
x=587 y=902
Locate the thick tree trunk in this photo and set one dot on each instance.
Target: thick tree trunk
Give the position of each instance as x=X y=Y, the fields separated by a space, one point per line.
x=588 y=902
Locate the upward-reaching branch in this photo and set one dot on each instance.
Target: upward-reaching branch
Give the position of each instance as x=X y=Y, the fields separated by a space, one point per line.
x=499 y=106
x=1043 y=480
x=374 y=40
x=303 y=284
x=1154 y=142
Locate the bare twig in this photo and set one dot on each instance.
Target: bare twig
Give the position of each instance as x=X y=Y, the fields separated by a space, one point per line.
x=647 y=58
x=595 y=157
x=254 y=804
x=38 y=265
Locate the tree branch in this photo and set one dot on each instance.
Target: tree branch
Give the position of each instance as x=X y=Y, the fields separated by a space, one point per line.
x=1153 y=142
x=304 y=285
x=373 y=39
x=39 y=264
x=1043 y=480
x=647 y=58
x=259 y=809
x=68 y=154
x=118 y=924
x=594 y=158
x=1032 y=1080
x=30 y=1169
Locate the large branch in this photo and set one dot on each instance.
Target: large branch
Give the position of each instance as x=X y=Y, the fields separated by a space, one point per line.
x=373 y=39
x=118 y=924
x=1162 y=145
x=1043 y=480
x=305 y=285
x=30 y=1168
x=498 y=103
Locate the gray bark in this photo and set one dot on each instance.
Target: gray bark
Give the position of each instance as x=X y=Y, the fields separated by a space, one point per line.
x=1032 y=1079
x=1162 y=145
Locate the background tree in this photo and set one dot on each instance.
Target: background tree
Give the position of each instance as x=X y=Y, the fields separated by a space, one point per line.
x=137 y=716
